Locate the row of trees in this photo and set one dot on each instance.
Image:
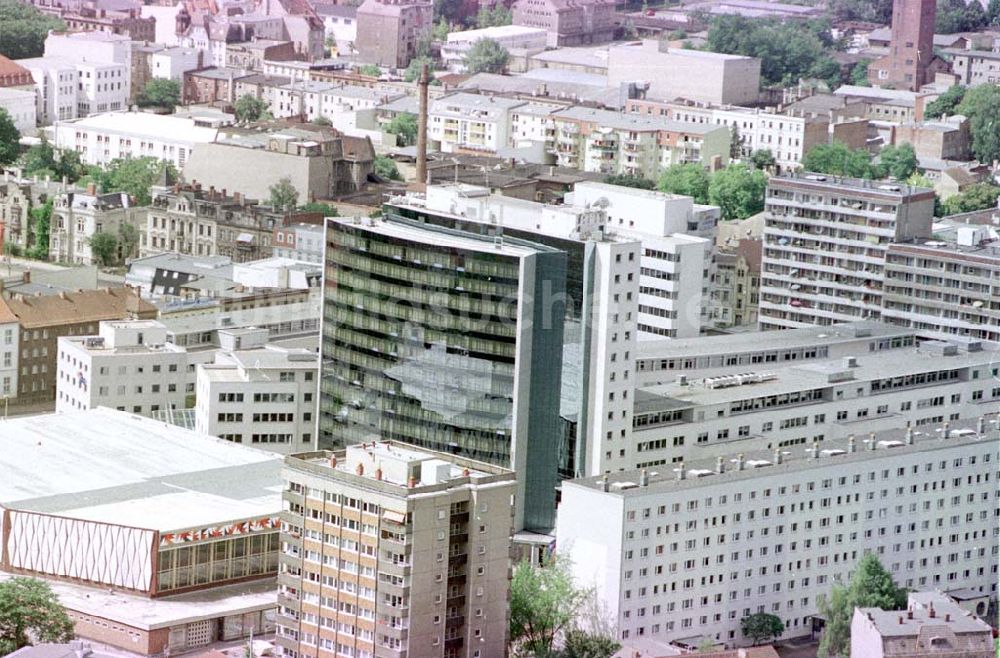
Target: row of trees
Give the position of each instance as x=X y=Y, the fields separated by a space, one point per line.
x=788 y=50
x=737 y=189
x=838 y=159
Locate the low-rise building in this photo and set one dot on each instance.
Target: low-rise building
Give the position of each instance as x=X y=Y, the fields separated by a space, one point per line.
x=18 y=196
x=80 y=215
x=945 y=139
x=127 y=22
x=568 y=23
x=157 y=511
x=105 y=137
x=43 y=319
x=389 y=31
x=340 y=23
x=321 y=162
x=696 y=75
x=779 y=527
x=458 y=44
x=211 y=85
x=302 y=242
x=128 y=365
x=975 y=67
x=613 y=143
x=260 y=395
x=173 y=63
x=20 y=107
x=56 y=88
x=434 y=531
x=932 y=625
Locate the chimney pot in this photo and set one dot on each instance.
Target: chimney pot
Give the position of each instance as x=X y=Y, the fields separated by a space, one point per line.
x=360 y=470
x=947 y=616
x=378 y=473
x=412 y=482
x=26 y=276
x=333 y=461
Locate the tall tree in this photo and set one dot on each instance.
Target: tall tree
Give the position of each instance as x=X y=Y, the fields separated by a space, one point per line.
x=104 y=247
x=946 y=102
x=581 y=644
x=738 y=190
x=284 y=196
x=493 y=16
x=900 y=162
x=30 y=611
x=23 y=29
x=761 y=627
x=859 y=74
x=486 y=56
x=160 y=92
x=41 y=218
x=10 y=139
x=134 y=176
x=976 y=197
x=993 y=12
x=543 y=604
x=871 y=586
x=386 y=168
x=982 y=105
x=404 y=126
x=128 y=240
x=249 y=108
x=839 y=160
x=687 y=179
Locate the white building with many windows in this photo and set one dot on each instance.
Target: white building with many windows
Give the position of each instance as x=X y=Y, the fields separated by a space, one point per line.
x=689 y=549
x=10 y=338
x=261 y=395
x=105 y=137
x=56 y=88
x=128 y=366
x=22 y=108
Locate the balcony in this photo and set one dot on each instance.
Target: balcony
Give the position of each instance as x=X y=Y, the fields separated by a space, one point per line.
x=458 y=560
x=454 y=622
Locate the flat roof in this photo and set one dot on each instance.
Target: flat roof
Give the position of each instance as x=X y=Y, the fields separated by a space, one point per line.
x=163 y=612
x=761 y=341
x=144 y=123
x=624 y=121
x=889 y=444
x=822 y=374
x=495 y=32
x=443 y=237
x=115 y=467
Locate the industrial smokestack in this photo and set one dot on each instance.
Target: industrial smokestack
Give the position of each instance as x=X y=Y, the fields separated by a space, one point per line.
x=422 y=85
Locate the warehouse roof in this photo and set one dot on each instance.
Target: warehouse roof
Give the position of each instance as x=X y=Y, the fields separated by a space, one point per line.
x=115 y=467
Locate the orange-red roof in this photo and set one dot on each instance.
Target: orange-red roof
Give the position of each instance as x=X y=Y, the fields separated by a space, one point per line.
x=13 y=74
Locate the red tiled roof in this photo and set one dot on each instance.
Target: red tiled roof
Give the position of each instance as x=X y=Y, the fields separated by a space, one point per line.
x=13 y=74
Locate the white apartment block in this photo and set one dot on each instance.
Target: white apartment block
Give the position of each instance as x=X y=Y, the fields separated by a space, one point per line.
x=768 y=407
x=90 y=47
x=173 y=63
x=392 y=551
x=263 y=396
x=678 y=238
x=301 y=242
x=128 y=366
x=103 y=87
x=337 y=103
x=825 y=242
x=470 y=122
x=690 y=549
x=21 y=107
x=105 y=137
x=56 y=88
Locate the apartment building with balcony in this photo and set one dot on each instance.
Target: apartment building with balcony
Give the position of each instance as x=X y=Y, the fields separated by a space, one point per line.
x=945 y=288
x=825 y=242
x=470 y=122
x=786 y=135
x=786 y=406
x=396 y=552
x=127 y=365
x=610 y=143
x=687 y=550
x=480 y=377
x=261 y=395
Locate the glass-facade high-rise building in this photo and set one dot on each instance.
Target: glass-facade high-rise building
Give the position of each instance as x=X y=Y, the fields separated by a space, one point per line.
x=449 y=341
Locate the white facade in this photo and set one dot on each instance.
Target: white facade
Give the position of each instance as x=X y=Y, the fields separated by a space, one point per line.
x=77 y=217
x=785 y=406
x=103 y=87
x=458 y=44
x=470 y=122
x=128 y=366
x=21 y=106
x=677 y=237
x=173 y=63
x=103 y=138
x=264 y=397
x=57 y=84
x=691 y=549
x=90 y=47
